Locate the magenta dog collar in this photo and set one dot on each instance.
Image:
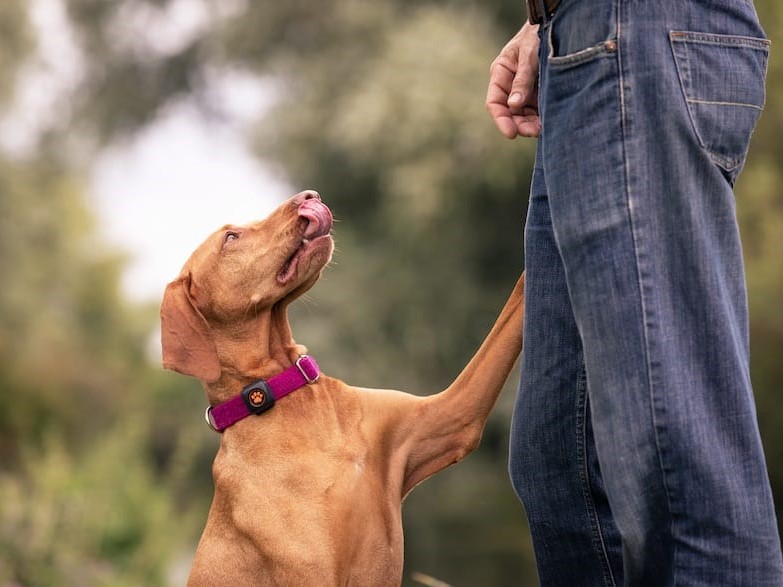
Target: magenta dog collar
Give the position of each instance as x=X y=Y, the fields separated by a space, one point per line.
x=261 y=395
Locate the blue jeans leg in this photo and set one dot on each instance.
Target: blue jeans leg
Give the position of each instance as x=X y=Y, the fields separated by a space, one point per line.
x=647 y=110
x=553 y=461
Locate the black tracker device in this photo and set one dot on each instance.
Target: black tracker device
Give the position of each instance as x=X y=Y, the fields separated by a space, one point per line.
x=258 y=397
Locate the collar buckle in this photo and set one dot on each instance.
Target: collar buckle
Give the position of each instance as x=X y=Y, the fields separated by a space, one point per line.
x=302 y=363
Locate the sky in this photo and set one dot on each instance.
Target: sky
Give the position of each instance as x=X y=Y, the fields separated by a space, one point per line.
x=183 y=178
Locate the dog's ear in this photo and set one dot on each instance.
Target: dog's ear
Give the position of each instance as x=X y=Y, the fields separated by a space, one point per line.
x=187 y=343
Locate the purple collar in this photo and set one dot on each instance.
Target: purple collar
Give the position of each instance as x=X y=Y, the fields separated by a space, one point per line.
x=261 y=395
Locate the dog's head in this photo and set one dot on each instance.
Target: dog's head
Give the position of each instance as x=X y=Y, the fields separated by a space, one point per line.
x=240 y=271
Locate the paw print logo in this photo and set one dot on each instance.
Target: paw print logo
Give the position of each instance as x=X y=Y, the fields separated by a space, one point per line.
x=257 y=397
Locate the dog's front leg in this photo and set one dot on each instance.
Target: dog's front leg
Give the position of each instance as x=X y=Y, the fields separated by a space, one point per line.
x=445 y=427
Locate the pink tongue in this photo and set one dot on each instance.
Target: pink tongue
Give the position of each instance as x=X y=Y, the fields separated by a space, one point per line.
x=319 y=217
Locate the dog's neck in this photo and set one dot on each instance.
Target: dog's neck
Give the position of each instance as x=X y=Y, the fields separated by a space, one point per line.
x=256 y=348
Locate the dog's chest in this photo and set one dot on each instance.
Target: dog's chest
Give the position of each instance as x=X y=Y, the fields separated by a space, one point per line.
x=317 y=512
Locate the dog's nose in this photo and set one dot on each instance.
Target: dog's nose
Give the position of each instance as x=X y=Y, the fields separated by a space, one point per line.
x=307 y=195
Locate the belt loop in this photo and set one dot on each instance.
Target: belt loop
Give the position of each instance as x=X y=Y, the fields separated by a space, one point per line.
x=539 y=11
x=534 y=12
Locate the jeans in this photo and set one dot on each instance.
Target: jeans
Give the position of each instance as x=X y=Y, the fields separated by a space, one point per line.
x=634 y=443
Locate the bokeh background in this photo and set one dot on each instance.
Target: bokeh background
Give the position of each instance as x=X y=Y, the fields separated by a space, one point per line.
x=129 y=129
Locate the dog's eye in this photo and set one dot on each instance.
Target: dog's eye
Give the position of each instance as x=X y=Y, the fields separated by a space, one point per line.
x=230 y=237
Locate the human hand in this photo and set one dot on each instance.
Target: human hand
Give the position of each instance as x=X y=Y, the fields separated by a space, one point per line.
x=512 y=96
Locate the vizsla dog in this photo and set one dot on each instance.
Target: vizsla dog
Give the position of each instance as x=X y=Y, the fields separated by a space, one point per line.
x=309 y=492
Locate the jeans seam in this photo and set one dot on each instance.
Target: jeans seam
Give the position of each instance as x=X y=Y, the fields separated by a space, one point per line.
x=756 y=43
x=642 y=302
x=599 y=544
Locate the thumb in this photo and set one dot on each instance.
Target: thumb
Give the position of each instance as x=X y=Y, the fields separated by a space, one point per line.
x=523 y=86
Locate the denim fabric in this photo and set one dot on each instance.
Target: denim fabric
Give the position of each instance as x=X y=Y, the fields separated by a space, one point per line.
x=635 y=446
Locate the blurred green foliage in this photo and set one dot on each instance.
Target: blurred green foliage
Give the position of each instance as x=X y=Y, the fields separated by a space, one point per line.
x=104 y=462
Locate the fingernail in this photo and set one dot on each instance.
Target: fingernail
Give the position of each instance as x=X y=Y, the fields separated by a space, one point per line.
x=515 y=98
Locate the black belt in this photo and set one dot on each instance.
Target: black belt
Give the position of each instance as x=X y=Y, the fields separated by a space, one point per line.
x=537 y=10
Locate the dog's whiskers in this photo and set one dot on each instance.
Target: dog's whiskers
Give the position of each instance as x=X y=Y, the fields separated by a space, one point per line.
x=308 y=301
x=251 y=306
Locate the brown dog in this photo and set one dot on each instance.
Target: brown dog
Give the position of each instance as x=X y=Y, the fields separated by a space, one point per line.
x=310 y=492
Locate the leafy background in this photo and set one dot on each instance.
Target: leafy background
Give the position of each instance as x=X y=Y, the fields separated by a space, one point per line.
x=104 y=462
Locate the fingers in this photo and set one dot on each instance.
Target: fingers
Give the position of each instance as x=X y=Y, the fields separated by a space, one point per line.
x=528 y=125
x=500 y=83
x=512 y=96
x=528 y=121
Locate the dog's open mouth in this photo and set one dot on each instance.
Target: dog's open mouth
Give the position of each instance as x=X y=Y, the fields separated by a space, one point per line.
x=315 y=221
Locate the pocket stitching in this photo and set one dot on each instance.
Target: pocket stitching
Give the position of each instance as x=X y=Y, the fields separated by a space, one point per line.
x=578 y=57
x=720 y=103
x=723 y=40
x=572 y=59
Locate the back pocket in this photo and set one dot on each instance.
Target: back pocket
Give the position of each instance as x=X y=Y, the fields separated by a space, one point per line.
x=722 y=79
